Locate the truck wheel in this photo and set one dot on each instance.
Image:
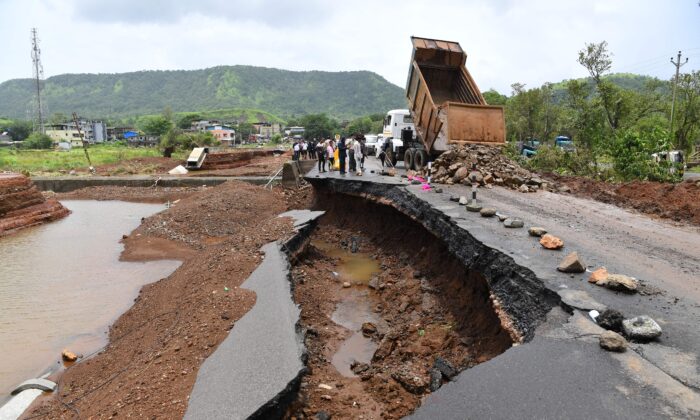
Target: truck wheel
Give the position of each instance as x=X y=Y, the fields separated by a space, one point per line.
x=390 y=157
x=408 y=158
x=420 y=159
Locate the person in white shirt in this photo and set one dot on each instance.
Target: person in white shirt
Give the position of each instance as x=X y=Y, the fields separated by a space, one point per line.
x=357 y=148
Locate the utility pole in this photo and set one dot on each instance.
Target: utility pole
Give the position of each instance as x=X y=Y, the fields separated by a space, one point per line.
x=678 y=65
x=38 y=74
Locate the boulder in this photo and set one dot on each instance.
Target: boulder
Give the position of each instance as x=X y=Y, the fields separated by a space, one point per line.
x=410 y=381
x=572 y=264
x=641 y=328
x=460 y=174
x=610 y=319
x=551 y=242
x=612 y=341
x=619 y=282
x=524 y=188
x=536 y=231
x=69 y=356
x=598 y=275
x=513 y=223
x=488 y=212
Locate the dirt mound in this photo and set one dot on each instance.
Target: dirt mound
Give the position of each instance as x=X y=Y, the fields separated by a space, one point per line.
x=22 y=205
x=456 y=166
x=679 y=202
x=132 y=194
x=234 y=159
x=156 y=347
x=138 y=166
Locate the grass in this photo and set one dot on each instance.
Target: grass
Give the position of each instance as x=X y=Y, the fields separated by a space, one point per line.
x=51 y=161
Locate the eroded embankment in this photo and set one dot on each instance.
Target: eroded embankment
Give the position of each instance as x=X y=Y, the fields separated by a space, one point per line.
x=429 y=308
x=22 y=205
x=517 y=291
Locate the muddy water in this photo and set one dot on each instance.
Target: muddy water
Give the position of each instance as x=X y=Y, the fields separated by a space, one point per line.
x=355 y=308
x=62 y=285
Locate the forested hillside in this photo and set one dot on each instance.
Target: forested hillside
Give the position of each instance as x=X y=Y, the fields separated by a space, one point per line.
x=342 y=95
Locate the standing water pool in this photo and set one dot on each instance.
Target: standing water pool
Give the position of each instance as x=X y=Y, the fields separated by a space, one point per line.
x=62 y=285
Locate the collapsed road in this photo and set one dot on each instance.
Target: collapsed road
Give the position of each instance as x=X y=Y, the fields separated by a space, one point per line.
x=558 y=368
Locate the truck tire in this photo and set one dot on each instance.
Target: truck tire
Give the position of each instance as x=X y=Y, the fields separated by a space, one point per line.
x=391 y=157
x=420 y=159
x=408 y=157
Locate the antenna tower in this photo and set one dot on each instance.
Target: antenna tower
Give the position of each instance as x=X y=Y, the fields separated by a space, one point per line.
x=38 y=76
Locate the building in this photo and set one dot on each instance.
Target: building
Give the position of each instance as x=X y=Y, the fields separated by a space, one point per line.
x=92 y=131
x=223 y=133
x=267 y=130
x=294 y=131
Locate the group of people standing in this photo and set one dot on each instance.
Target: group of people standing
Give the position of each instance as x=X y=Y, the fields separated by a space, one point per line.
x=352 y=149
x=304 y=149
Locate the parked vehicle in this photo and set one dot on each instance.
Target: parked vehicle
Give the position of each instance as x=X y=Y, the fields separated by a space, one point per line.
x=528 y=148
x=564 y=143
x=676 y=159
x=371 y=143
x=445 y=107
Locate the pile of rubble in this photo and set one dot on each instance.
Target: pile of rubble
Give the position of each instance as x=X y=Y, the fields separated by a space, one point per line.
x=22 y=205
x=456 y=166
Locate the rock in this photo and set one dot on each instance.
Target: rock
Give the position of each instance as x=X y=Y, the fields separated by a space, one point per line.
x=551 y=242
x=68 y=356
x=435 y=380
x=454 y=198
x=488 y=179
x=619 y=282
x=358 y=367
x=536 y=231
x=474 y=207
x=438 y=190
x=416 y=182
x=410 y=381
x=368 y=329
x=445 y=367
x=513 y=223
x=572 y=264
x=535 y=181
x=612 y=341
x=488 y=212
x=524 y=188
x=463 y=201
x=564 y=189
x=385 y=348
x=326 y=387
x=373 y=283
x=610 y=319
x=322 y=415
x=460 y=174
x=641 y=328
x=598 y=275
x=501 y=217
x=476 y=177
x=326 y=397
x=346 y=284
x=579 y=299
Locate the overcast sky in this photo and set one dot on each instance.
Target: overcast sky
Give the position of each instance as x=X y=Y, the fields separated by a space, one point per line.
x=507 y=41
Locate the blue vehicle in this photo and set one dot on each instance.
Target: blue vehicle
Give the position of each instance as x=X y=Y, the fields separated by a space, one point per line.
x=565 y=143
x=529 y=147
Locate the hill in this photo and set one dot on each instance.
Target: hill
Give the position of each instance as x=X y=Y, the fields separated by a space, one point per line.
x=285 y=93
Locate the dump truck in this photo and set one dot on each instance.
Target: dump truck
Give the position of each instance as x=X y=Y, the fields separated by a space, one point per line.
x=445 y=105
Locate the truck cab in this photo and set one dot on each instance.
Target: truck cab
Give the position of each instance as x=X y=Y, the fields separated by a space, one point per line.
x=395 y=121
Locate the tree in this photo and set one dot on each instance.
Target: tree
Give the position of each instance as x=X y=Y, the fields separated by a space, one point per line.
x=19 y=129
x=37 y=141
x=688 y=110
x=492 y=97
x=156 y=125
x=318 y=126
x=186 y=120
x=361 y=125
x=596 y=59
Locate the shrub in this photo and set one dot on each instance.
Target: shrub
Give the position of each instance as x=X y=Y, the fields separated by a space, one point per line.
x=632 y=156
x=38 y=141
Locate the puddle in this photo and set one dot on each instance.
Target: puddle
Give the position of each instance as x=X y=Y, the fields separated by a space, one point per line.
x=355 y=308
x=355 y=268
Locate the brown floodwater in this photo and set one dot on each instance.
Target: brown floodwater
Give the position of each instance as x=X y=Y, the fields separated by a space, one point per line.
x=355 y=307
x=62 y=285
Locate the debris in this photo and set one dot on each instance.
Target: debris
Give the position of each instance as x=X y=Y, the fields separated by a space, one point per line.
x=487 y=212
x=445 y=367
x=324 y=386
x=178 y=170
x=536 y=231
x=410 y=381
x=619 y=282
x=579 y=299
x=610 y=319
x=551 y=242
x=435 y=380
x=473 y=206
x=524 y=188
x=501 y=217
x=454 y=198
x=594 y=314
x=368 y=329
x=513 y=223
x=641 y=328
x=386 y=346
x=572 y=264
x=346 y=284
x=463 y=201
x=438 y=190
x=373 y=283
x=326 y=397
x=358 y=367
x=598 y=275
x=69 y=356
x=612 y=341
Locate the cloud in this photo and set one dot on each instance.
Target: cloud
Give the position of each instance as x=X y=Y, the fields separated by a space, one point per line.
x=267 y=12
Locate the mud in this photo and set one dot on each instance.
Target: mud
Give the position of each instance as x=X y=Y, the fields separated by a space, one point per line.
x=156 y=347
x=679 y=202
x=22 y=205
x=423 y=303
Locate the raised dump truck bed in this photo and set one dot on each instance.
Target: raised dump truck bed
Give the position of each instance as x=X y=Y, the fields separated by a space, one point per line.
x=446 y=105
